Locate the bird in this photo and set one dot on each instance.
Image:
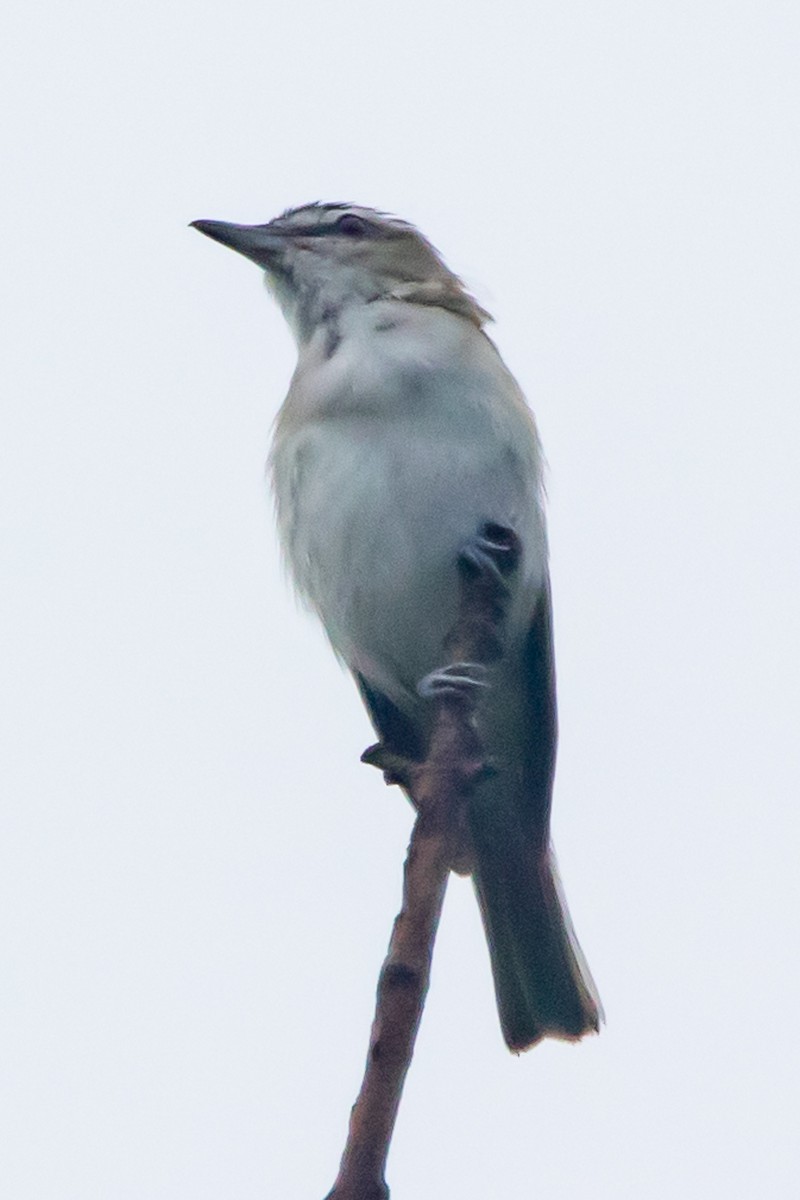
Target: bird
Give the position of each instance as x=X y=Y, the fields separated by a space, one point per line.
x=402 y=440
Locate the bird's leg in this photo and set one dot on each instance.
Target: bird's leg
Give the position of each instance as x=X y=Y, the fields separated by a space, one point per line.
x=485 y=564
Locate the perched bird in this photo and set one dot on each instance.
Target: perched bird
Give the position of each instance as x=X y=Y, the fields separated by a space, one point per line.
x=402 y=439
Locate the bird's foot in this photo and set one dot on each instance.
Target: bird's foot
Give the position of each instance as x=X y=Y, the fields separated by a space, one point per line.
x=458 y=680
x=494 y=553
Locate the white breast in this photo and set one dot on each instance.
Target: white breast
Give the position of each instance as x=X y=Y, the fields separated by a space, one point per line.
x=388 y=457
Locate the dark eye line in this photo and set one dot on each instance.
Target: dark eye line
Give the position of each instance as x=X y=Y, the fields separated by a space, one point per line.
x=358 y=227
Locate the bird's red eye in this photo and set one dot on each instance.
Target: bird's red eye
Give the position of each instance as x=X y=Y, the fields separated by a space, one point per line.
x=351 y=225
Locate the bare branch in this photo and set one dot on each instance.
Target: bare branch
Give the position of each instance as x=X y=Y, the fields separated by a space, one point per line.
x=439 y=788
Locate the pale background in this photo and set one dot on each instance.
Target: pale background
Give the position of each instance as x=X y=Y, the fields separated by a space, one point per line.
x=199 y=878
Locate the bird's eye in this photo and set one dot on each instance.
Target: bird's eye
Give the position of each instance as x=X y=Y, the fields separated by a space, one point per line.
x=351 y=225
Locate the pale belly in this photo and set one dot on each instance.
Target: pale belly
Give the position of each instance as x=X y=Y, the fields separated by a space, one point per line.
x=373 y=514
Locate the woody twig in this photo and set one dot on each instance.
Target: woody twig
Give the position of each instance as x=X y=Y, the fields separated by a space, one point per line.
x=439 y=788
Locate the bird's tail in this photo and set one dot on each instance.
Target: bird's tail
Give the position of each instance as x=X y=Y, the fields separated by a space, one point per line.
x=541 y=980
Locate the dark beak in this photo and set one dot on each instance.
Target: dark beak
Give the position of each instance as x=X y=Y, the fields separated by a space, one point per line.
x=259 y=243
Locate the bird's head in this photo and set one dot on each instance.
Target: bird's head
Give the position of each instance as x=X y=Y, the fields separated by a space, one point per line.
x=322 y=257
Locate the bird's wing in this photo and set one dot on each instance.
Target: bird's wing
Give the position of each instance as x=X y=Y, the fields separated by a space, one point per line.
x=541 y=718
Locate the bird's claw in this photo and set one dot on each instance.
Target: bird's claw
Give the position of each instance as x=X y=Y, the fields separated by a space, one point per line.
x=494 y=552
x=456 y=680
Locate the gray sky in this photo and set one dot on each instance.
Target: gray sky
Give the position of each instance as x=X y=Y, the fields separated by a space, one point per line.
x=198 y=877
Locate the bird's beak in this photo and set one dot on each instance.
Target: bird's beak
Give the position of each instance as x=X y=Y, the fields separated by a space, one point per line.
x=260 y=243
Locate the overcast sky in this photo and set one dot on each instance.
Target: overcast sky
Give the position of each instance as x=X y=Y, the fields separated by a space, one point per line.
x=198 y=877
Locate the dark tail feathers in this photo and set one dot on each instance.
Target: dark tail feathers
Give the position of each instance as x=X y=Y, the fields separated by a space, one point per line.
x=542 y=983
